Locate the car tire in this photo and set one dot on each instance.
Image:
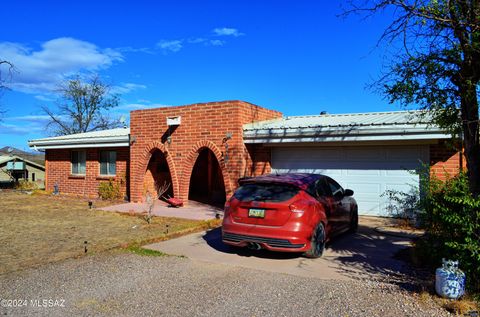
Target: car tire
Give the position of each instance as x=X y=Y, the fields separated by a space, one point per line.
x=317 y=243
x=354 y=222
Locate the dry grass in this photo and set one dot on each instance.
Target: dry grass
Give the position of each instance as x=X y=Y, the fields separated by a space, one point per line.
x=37 y=229
x=460 y=307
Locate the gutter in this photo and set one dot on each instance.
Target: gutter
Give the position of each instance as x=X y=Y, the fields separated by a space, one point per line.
x=45 y=144
x=343 y=133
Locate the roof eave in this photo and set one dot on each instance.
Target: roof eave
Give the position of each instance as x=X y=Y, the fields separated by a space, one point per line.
x=343 y=138
x=76 y=144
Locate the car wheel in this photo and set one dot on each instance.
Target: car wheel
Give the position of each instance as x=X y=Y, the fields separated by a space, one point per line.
x=317 y=243
x=354 y=222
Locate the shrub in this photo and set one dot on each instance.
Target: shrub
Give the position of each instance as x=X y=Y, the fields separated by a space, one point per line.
x=404 y=205
x=26 y=185
x=452 y=223
x=109 y=190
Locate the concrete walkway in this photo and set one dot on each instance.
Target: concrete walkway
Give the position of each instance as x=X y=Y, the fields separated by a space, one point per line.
x=194 y=210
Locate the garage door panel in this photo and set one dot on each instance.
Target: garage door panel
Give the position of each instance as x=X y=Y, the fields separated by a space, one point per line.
x=330 y=173
x=403 y=173
x=403 y=187
x=371 y=207
x=355 y=172
x=368 y=171
x=366 y=189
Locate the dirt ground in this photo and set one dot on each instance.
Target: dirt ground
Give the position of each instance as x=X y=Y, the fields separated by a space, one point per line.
x=38 y=229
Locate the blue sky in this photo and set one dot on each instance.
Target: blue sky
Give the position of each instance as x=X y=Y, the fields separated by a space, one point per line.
x=297 y=57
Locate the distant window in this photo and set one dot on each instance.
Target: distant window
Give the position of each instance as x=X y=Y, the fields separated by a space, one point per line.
x=33 y=177
x=108 y=162
x=79 y=159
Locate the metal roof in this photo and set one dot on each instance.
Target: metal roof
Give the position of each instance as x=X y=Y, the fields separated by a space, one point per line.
x=105 y=138
x=5 y=158
x=369 y=126
x=8 y=158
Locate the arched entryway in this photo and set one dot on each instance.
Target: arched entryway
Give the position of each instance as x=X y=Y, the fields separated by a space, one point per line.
x=157 y=175
x=206 y=181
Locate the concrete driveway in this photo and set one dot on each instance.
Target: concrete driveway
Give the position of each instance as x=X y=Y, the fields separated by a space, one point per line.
x=368 y=254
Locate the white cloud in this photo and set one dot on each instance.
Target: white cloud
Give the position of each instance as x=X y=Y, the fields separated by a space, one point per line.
x=24 y=125
x=170 y=46
x=129 y=49
x=13 y=129
x=125 y=88
x=29 y=118
x=44 y=98
x=206 y=41
x=217 y=42
x=41 y=70
x=197 y=40
x=137 y=106
x=227 y=32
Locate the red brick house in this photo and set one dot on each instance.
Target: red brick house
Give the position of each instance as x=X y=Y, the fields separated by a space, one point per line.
x=203 y=149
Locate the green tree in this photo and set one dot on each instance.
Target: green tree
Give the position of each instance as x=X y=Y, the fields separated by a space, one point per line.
x=84 y=106
x=437 y=65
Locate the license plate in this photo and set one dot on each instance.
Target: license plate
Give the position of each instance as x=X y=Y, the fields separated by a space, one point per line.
x=256 y=213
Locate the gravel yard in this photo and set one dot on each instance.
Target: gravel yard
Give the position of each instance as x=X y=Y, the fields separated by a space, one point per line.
x=117 y=283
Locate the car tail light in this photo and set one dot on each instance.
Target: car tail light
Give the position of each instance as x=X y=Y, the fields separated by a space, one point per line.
x=226 y=208
x=299 y=207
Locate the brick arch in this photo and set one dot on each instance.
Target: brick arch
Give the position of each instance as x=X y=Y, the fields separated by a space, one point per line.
x=190 y=160
x=145 y=157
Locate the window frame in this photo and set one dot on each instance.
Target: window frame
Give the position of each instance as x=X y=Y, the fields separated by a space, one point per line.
x=108 y=163
x=78 y=163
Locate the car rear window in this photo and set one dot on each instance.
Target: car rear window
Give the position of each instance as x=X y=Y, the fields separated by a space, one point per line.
x=265 y=192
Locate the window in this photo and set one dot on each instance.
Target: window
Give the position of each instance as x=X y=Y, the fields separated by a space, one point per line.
x=265 y=192
x=108 y=162
x=79 y=159
x=33 y=177
x=322 y=188
x=337 y=190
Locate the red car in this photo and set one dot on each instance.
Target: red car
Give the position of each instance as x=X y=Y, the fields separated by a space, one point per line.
x=288 y=213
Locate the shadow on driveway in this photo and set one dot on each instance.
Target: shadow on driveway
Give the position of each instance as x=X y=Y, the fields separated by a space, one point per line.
x=366 y=255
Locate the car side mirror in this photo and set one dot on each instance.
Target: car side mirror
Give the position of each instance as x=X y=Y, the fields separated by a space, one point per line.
x=348 y=192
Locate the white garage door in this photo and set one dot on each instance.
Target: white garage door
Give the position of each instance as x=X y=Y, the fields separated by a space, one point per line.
x=367 y=170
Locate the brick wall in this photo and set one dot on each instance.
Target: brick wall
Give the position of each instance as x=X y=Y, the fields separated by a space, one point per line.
x=58 y=163
x=445 y=160
x=202 y=125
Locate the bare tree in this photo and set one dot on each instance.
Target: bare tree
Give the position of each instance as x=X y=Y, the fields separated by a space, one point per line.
x=4 y=65
x=84 y=107
x=437 y=65
x=150 y=201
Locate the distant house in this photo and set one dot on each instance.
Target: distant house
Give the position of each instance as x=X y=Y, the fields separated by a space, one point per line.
x=14 y=168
